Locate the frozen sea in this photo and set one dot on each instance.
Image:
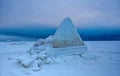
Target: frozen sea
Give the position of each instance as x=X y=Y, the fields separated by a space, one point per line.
x=106 y=61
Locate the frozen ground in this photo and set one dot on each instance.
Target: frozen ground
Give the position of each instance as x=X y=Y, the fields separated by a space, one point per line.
x=106 y=61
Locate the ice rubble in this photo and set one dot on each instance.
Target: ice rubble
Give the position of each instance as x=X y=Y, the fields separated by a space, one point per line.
x=66 y=41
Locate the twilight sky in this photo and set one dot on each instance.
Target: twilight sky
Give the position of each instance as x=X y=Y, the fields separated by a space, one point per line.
x=84 y=13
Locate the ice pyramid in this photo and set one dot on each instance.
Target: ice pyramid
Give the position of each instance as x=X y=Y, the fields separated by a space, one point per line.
x=65 y=42
x=67 y=35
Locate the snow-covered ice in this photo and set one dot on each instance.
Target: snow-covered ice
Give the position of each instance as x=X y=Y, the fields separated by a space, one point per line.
x=103 y=60
x=65 y=42
x=43 y=53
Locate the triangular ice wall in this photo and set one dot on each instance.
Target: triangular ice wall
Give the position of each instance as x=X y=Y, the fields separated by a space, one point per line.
x=67 y=35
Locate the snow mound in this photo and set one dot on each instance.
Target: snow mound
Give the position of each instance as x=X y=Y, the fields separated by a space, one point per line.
x=36 y=56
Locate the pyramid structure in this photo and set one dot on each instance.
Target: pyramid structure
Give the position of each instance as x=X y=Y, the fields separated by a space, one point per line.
x=67 y=35
x=66 y=41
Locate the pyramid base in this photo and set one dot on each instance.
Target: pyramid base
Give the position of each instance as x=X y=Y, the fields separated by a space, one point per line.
x=74 y=50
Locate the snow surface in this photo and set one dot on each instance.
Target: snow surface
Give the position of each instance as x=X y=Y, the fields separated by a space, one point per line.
x=103 y=59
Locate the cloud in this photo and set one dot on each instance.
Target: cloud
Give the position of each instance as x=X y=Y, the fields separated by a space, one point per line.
x=82 y=12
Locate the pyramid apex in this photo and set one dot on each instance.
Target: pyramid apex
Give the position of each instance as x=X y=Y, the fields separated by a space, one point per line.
x=66 y=22
x=67 y=19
